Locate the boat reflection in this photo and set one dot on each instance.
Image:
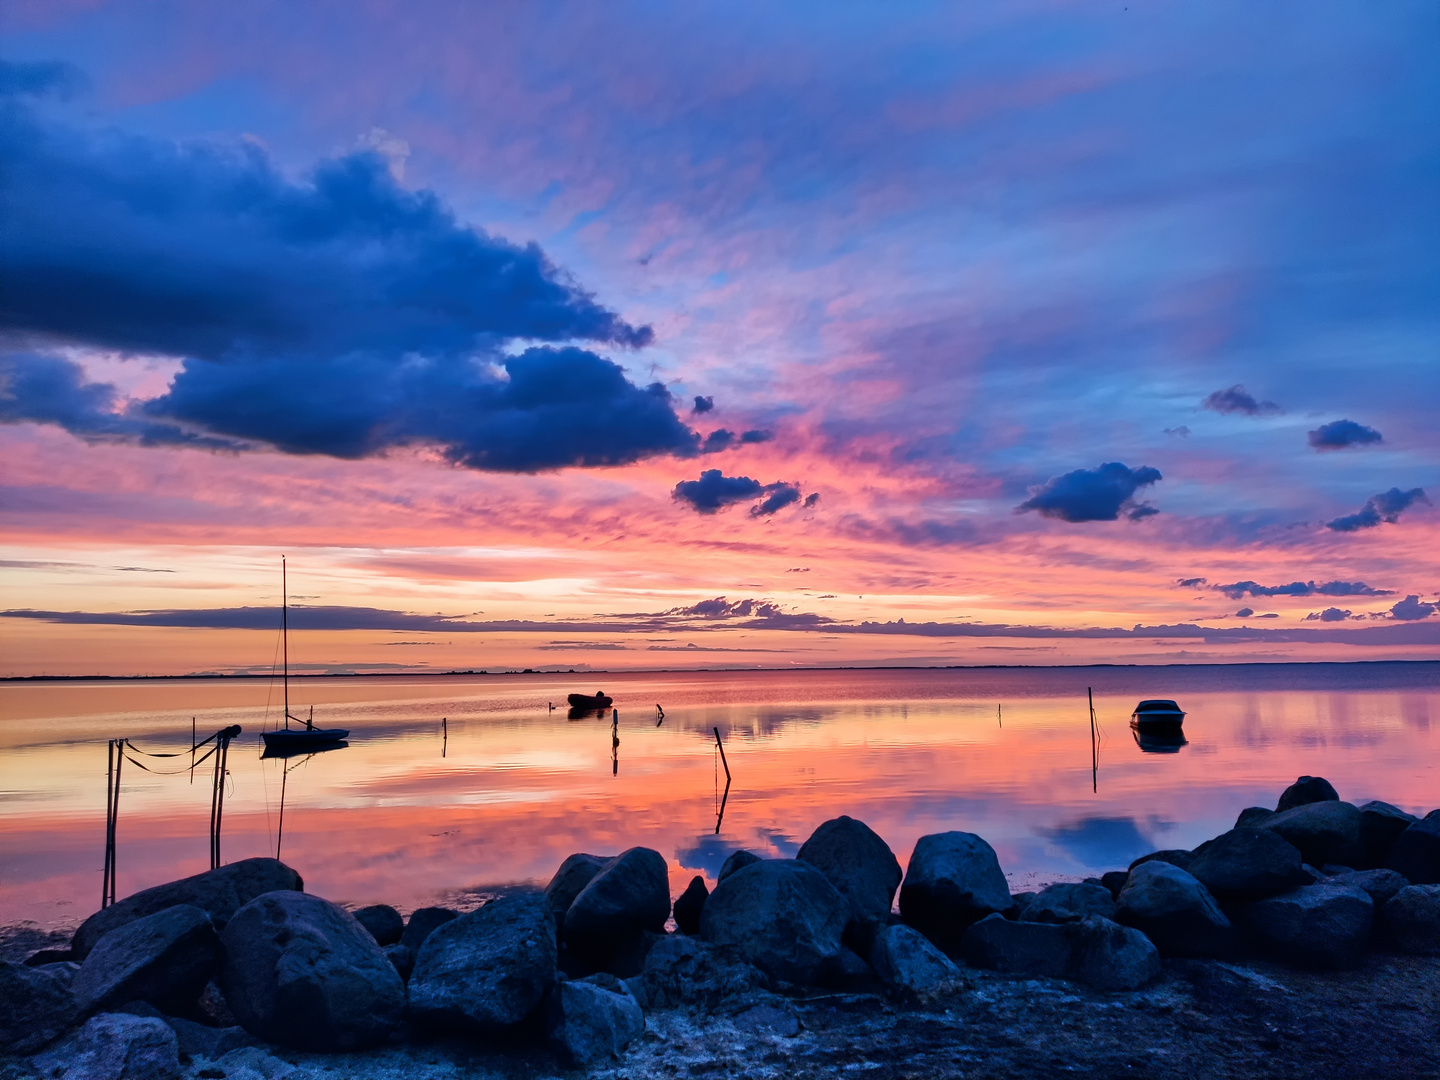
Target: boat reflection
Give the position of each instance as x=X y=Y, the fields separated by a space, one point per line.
x=301 y=751
x=1153 y=743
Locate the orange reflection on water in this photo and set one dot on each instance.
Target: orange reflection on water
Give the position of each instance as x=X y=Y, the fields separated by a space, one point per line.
x=520 y=787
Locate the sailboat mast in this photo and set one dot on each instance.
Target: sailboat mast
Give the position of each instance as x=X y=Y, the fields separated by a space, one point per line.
x=285 y=634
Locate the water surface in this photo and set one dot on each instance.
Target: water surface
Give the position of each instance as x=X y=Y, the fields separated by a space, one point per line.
x=413 y=812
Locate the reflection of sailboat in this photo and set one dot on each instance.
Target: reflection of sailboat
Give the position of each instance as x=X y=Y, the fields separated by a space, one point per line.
x=305 y=756
x=287 y=741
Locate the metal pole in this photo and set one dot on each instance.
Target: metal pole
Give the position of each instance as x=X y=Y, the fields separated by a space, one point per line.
x=721 y=745
x=109 y=823
x=1094 y=745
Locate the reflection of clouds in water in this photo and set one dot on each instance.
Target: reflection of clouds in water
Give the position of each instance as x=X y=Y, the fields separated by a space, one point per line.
x=707 y=855
x=1102 y=841
x=783 y=846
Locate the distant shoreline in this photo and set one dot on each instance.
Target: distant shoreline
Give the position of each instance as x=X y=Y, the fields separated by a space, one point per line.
x=467 y=673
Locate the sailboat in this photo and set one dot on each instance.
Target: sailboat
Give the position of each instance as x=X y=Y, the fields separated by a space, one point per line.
x=282 y=742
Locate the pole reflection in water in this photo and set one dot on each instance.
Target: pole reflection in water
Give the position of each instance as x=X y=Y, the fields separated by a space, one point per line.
x=615 y=742
x=287 y=767
x=720 y=810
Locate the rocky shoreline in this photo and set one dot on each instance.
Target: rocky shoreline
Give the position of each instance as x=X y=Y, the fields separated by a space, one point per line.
x=1305 y=941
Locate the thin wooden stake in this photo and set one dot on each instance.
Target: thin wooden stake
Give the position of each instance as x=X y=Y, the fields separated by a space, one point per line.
x=1094 y=744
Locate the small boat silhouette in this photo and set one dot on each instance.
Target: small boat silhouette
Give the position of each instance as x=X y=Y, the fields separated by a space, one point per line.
x=1157 y=716
x=596 y=700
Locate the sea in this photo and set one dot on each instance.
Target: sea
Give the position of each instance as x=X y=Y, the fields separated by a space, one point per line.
x=454 y=788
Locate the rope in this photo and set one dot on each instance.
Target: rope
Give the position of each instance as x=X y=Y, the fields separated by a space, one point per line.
x=182 y=753
x=158 y=772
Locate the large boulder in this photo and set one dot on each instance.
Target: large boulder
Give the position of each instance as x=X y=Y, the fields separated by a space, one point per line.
x=1094 y=950
x=1174 y=856
x=422 y=923
x=629 y=896
x=165 y=959
x=1416 y=852
x=1174 y=910
x=488 y=970
x=1068 y=902
x=1307 y=790
x=683 y=970
x=115 y=1046
x=736 y=860
x=953 y=880
x=35 y=1007
x=781 y=915
x=1380 y=884
x=202 y=1040
x=591 y=1021
x=1249 y=863
x=689 y=905
x=1324 y=832
x=569 y=881
x=383 y=922
x=1380 y=826
x=904 y=958
x=219 y=893
x=301 y=972
x=1412 y=917
x=1318 y=926
x=859 y=864
x=1252 y=816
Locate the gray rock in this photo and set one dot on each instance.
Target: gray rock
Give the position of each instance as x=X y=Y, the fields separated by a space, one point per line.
x=1114 y=880
x=1416 y=852
x=165 y=959
x=569 y=882
x=1412 y=916
x=1020 y=948
x=1324 y=832
x=859 y=864
x=383 y=922
x=1018 y=903
x=1318 y=926
x=201 y=1040
x=1252 y=816
x=904 y=958
x=1173 y=856
x=1174 y=910
x=1381 y=885
x=115 y=1046
x=689 y=905
x=422 y=923
x=1306 y=790
x=591 y=1021
x=35 y=1007
x=768 y=1017
x=736 y=860
x=953 y=880
x=402 y=957
x=49 y=956
x=253 y=1063
x=300 y=972
x=781 y=915
x=219 y=893
x=1069 y=903
x=63 y=972
x=630 y=895
x=852 y=968
x=1249 y=863
x=486 y=971
x=1380 y=826
x=689 y=971
x=1108 y=956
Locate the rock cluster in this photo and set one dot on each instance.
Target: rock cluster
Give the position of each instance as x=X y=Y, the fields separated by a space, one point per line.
x=216 y=965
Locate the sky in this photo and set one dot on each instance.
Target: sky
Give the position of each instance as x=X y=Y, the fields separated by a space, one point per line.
x=717 y=335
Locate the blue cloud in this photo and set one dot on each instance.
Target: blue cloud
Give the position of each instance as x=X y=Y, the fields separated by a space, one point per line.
x=703 y=404
x=1093 y=494
x=342 y=315
x=714 y=490
x=1412 y=609
x=1339 y=434
x=1331 y=614
x=781 y=496
x=1297 y=588
x=1386 y=507
x=1236 y=399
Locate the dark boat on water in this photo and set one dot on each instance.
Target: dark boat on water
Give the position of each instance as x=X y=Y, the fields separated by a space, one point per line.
x=288 y=741
x=1157 y=717
x=590 y=701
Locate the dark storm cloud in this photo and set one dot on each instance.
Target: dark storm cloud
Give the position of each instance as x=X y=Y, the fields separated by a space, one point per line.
x=1385 y=507
x=755 y=435
x=717 y=440
x=1331 y=614
x=1236 y=399
x=715 y=490
x=1299 y=588
x=1339 y=434
x=781 y=496
x=1093 y=494
x=703 y=404
x=1411 y=609
x=721 y=608
x=343 y=315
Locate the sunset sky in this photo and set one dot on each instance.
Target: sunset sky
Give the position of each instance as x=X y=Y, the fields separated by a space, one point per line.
x=717 y=335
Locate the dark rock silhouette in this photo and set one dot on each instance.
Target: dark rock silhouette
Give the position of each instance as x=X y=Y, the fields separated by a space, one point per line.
x=1069 y=903
x=1319 y=926
x=904 y=958
x=301 y=972
x=1248 y=863
x=486 y=971
x=689 y=905
x=690 y=971
x=629 y=896
x=1416 y=852
x=781 y=915
x=1174 y=856
x=1380 y=826
x=383 y=922
x=592 y=1020
x=1412 y=917
x=1114 y=880
x=1380 y=885
x=860 y=865
x=1324 y=832
x=1174 y=910
x=115 y=1045
x=736 y=860
x=1252 y=816
x=218 y=893
x=1306 y=790
x=35 y=1007
x=422 y=923
x=402 y=958
x=953 y=880
x=569 y=882
x=165 y=959
x=1093 y=950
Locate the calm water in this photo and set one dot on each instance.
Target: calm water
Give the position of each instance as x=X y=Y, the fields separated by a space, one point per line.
x=409 y=816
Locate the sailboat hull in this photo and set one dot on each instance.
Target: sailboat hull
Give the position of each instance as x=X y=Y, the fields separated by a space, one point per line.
x=284 y=741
